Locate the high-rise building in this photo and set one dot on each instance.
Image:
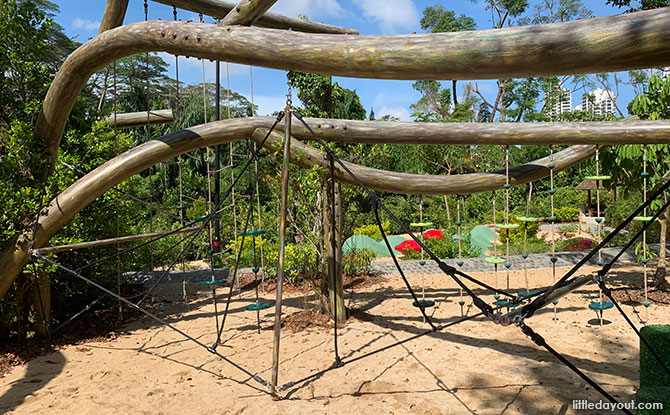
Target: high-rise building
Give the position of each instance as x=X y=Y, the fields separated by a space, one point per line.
x=563 y=102
x=598 y=102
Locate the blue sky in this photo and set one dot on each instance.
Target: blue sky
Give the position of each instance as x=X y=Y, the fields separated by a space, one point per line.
x=80 y=19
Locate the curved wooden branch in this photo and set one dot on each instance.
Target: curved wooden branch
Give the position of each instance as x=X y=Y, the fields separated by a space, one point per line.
x=88 y=188
x=115 y=12
x=635 y=40
x=307 y=156
x=246 y=12
x=219 y=9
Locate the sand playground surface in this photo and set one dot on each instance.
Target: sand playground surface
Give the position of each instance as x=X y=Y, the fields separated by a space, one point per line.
x=475 y=367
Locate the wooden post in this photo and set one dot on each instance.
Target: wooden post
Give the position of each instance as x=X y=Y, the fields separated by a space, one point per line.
x=334 y=258
x=282 y=245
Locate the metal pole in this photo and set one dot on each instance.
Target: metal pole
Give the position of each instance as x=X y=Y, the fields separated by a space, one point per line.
x=282 y=242
x=217 y=161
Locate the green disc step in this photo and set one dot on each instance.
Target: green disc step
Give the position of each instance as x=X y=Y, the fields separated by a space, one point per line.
x=423 y=303
x=526 y=219
x=597 y=177
x=257 y=307
x=421 y=224
x=507 y=226
x=643 y=218
x=525 y=294
x=253 y=232
x=601 y=306
x=495 y=260
x=506 y=303
x=215 y=282
x=214 y=216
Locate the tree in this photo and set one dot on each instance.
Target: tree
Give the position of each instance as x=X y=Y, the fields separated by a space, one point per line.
x=324 y=99
x=624 y=162
x=634 y=5
x=33 y=48
x=438 y=20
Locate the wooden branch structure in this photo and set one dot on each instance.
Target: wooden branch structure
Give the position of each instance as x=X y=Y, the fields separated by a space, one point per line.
x=307 y=156
x=220 y=9
x=142 y=118
x=67 y=204
x=110 y=241
x=247 y=12
x=630 y=41
x=115 y=12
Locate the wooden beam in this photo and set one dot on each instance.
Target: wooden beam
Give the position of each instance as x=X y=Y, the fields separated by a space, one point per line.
x=142 y=118
x=307 y=156
x=540 y=133
x=109 y=241
x=115 y=12
x=633 y=40
x=219 y=9
x=247 y=12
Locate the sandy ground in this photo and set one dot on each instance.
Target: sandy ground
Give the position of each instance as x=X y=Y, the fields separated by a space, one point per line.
x=472 y=368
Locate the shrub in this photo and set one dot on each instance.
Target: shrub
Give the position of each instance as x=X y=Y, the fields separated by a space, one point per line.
x=373 y=230
x=299 y=261
x=358 y=261
x=567 y=214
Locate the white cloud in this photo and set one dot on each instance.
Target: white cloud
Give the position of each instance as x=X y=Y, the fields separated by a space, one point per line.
x=400 y=113
x=85 y=24
x=392 y=16
x=313 y=9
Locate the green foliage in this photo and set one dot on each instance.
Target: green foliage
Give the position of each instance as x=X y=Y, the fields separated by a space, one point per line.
x=300 y=261
x=438 y=20
x=325 y=99
x=654 y=104
x=373 y=230
x=358 y=261
x=446 y=248
x=635 y=5
x=567 y=213
x=33 y=46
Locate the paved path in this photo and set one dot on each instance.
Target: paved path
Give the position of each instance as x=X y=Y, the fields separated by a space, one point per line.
x=534 y=261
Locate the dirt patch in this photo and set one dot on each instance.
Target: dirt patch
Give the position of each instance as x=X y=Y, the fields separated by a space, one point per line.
x=636 y=295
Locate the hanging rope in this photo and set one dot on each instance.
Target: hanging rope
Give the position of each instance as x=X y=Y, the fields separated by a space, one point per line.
x=179 y=164
x=552 y=219
x=148 y=138
x=459 y=223
x=645 y=259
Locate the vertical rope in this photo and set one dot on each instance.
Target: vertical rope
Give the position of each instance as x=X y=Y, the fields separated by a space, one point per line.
x=599 y=229
x=179 y=166
x=232 y=171
x=459 y=223
x=507 y=229
x=116 y=202
x=258 y=197
x=148 y=137
x=525 y=236
x=644 y=234
x=495 y=242
x=552 y=219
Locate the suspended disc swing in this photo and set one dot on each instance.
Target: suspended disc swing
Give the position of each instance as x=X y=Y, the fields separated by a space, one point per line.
x=644 y=218
x=525 y=220
x=459 y=224
x=421 y=225
x=599 y=306
x=552 y=219
x=507 y=226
